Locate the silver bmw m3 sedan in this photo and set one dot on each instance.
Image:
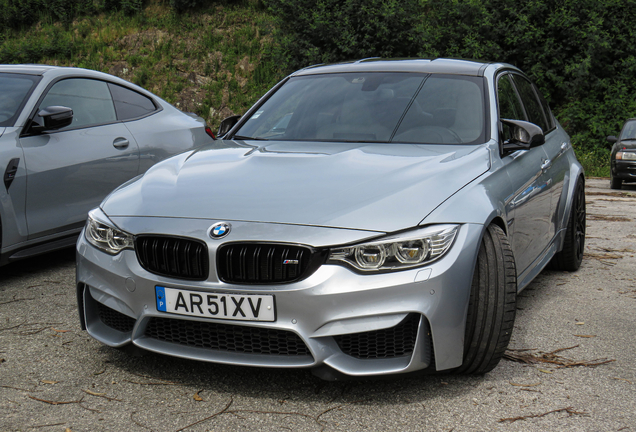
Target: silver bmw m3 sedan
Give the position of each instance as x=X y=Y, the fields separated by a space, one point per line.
x=365 y=218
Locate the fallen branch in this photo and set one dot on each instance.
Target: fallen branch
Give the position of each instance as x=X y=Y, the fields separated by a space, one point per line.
x=16 y=300
x=523 y=356
x=136 y=422
x=151 y=384
x=609 y=218
x=54 y=402
x=27 y=390
x=569 y=410
x=622 y=379
x=11 y=328
x=218 y=413
x=79 y=402
x=524 y=385
x=45 y=425
x=226 y=410
x=102 y=395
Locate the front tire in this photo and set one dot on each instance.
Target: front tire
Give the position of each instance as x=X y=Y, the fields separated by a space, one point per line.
x=570 y=258
x=614 y=182
x=492 y=306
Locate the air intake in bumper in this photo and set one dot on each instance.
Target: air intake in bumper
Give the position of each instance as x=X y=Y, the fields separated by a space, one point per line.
x=227 y=337
x=393 y=342
x=113 y=319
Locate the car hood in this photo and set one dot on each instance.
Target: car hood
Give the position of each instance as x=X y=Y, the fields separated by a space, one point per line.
x=380 y=187
x=628 y=144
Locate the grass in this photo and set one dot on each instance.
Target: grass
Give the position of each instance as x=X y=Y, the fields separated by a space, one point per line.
x=595 y=163
x=213 y=62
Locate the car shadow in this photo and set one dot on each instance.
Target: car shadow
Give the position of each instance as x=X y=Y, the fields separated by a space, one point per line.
x=285 y=384
x=40 y=264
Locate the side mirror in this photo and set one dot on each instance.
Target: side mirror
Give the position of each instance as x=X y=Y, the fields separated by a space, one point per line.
x=227 y=124
x=612 y=139
x=525 y=135
x=54 y=117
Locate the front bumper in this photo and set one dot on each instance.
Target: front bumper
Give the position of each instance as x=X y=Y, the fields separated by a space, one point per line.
x=624 y=170
x=329 y=312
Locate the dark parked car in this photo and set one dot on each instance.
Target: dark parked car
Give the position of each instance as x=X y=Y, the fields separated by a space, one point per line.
x=365 y=218
x=623 y=156
x=68 y=137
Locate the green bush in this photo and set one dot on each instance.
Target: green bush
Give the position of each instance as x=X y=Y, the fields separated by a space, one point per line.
x=325 y=31
x=51 y=42
x=129 y=7
x=581 y=53
x=185 y=5
x=16 y=14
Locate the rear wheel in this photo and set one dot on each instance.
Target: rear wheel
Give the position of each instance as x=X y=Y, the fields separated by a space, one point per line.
x=570 y=258
x=614 y=182
x=492 y=306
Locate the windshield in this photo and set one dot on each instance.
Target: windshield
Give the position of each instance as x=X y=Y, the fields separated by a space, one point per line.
x=629 y=131
x=372 y=107
x=14 y=89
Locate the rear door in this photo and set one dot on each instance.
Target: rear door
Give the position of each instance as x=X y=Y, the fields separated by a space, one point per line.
x=71 y=170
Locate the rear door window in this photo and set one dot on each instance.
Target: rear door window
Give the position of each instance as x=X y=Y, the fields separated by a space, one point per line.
x=130 y=104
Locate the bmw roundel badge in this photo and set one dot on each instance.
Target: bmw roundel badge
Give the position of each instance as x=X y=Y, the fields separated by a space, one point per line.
x=220 y=230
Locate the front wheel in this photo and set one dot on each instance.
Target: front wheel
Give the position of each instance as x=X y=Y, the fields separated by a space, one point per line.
x=492 y=306
x=614 y=182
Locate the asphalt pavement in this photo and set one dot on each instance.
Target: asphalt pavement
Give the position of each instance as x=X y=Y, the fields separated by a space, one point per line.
x=570 y=365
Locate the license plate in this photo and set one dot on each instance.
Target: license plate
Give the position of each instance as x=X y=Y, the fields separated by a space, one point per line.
x=214 y=305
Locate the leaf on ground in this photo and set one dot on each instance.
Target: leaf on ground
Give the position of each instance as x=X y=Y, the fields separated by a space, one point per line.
x=94 y=393
x=49 y=382
x=580 y=323
x=585 y=336
x=60 y=331
x=196 y=396
x=545 y=371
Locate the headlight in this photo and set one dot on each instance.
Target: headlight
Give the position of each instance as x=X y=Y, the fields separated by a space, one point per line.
x=105 y=237
x=397 y=252
x=623 y=155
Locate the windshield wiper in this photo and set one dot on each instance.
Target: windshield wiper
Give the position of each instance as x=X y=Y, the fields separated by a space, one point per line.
x=241 y=137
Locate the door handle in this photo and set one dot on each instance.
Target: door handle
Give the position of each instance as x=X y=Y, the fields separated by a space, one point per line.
x=120 y=143
x=546 y=164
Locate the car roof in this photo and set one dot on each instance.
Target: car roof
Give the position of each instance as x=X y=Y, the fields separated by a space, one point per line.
x=437 y=65
x=28 y=69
